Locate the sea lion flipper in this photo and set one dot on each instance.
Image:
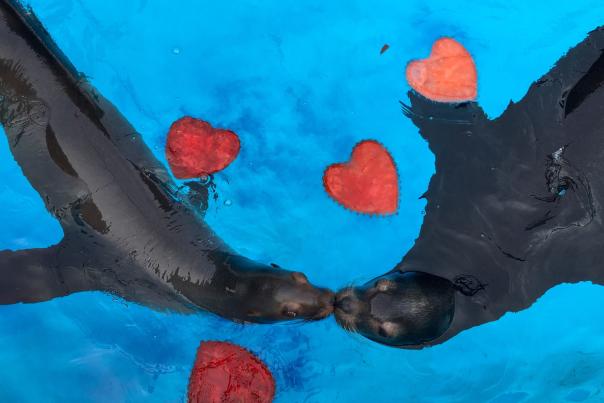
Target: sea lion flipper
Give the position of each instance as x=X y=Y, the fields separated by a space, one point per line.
x=36 y=275
x=548 y=100
x=102 y=112
x=571 y=81
x=35 y=147
x=445 y=126
x=38 y=126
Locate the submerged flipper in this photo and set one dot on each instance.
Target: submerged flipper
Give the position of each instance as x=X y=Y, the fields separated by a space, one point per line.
x=36 y=275
x=573 y=79
x=99 y=110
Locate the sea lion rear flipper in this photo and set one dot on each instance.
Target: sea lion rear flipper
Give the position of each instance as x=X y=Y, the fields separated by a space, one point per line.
x=123 y=135
x=41 y=118
x=568 y=84
x=548 y=101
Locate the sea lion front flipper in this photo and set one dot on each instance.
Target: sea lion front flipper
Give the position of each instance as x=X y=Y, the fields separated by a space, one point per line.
x=36 y=275
x=445 y=126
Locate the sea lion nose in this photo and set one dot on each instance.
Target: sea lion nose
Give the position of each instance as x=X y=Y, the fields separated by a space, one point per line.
x=346 y=304
x=330 y=298
x=326 y=304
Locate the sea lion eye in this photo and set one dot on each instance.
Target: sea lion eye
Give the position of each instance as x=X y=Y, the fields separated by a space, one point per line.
x=383 y=332
x=387 y=329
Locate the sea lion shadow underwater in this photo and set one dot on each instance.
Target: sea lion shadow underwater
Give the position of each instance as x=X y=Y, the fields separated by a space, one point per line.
x=126 y=229
x=514 y=208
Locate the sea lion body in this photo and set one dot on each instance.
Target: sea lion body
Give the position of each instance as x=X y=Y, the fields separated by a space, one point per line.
x=514 y=207
x=126 y=229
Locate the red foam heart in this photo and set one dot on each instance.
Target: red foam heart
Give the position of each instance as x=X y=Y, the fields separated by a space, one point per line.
x=194 y=148
x=368 y=183
x=226 y=373
x=448 y=75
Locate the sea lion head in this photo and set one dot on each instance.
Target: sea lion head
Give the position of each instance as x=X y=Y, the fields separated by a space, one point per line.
x=248 y=291
x=274 y=295
x=398 y=309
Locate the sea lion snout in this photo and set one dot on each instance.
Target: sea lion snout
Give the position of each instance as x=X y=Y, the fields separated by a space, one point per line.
x=346 y=301
x=280 y=295
x=345 y=304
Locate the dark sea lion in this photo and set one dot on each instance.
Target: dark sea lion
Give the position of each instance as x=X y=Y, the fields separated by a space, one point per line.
x=398 y=308
x=514 y=208
x=126 y=230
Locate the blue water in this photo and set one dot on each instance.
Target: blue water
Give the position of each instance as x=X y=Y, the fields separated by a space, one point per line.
x=301 y=83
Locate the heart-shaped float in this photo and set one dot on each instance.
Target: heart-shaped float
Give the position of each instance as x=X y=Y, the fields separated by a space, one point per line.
x=368 y=183
x=448 y=75
x=195 y=149
x=224 y=373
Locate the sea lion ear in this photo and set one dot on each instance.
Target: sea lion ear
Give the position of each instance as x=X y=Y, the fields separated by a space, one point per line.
x=299 y=277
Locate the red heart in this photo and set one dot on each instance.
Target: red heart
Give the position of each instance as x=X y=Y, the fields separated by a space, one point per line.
x=448 y=75
x=366 y=184
x=225 y=373
x=194 y=148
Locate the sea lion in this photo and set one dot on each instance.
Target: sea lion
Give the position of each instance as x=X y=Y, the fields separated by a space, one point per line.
x=398 y=308
x=126 y=230
x=514 y=208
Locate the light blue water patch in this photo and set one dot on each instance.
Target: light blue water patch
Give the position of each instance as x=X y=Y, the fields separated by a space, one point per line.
x=301 y=83
x=25 y=221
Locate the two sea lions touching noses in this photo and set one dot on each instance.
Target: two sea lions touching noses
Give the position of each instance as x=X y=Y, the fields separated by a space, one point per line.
x=513 y=208
x=257 y=293
x=126 y=229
